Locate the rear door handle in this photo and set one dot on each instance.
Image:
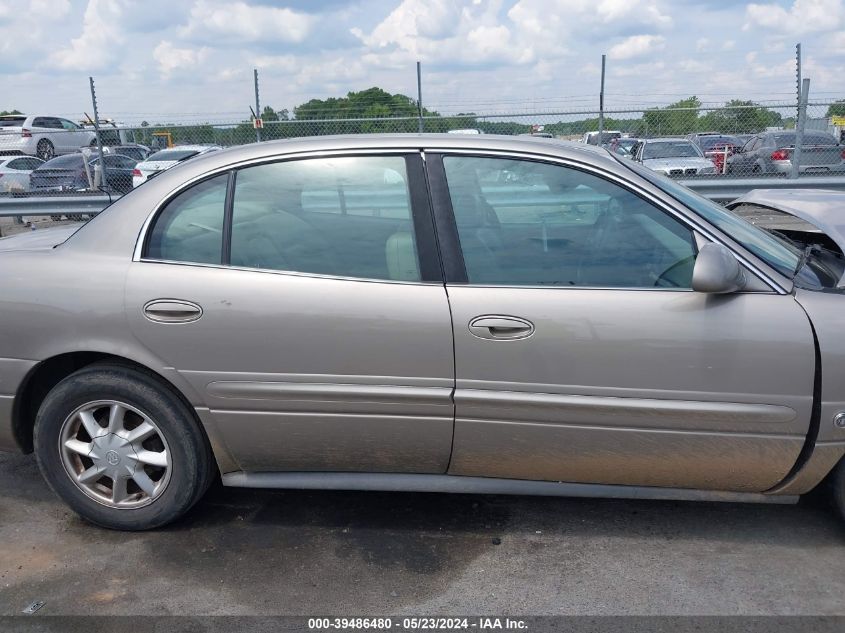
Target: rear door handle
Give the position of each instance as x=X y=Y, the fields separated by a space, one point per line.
x=172 y=311
x=496 y=327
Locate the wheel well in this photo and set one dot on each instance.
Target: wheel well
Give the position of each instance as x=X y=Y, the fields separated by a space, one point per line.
x=47 y=374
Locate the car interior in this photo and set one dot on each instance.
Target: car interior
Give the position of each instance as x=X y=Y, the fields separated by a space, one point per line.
x=325 y=216
x=529 y=223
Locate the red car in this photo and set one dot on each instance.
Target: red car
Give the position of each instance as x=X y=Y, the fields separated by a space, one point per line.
x=718 y=148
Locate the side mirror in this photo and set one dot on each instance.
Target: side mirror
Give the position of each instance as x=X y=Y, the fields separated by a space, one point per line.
x=717 y=271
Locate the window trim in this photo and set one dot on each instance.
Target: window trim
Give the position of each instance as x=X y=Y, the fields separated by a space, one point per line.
x=447 y=231
x=143 y=243
x=420 y=206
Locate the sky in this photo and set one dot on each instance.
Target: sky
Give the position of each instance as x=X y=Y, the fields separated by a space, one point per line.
x=194 y=59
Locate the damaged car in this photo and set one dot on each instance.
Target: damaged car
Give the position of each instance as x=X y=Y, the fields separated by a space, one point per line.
x=442 y=313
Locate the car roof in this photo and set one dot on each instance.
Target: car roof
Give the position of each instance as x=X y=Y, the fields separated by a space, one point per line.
x=673 y=139
x=388 y=142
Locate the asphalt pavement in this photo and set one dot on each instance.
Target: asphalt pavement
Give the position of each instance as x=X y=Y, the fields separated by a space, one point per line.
x=343 y=553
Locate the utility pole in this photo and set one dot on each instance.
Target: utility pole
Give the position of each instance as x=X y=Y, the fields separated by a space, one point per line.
x=799 y=128
x=601 y=102
x=797 y=81
x=419 y=98
x=257 y=106
x=101 y=164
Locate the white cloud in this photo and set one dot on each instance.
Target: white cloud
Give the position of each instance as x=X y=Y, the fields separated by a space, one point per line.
x=171 y=59
x=644 y=11
x=240 y=21
x=836 y=43
x=638 y=70
x=47 y=9
x=284 y=63
x=441 y=31
x=98 y=45
x=637 y=46
x=804 y=16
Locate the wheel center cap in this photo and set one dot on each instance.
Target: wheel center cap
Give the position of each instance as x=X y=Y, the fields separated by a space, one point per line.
x=114 y=455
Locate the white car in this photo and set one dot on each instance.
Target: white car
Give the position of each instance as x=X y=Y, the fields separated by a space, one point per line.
x=167 y=158
x=15 y=171
x=43 y=136
x=674 y=157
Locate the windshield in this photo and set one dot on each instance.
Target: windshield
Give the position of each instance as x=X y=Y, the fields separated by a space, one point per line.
x=777 y=253
x=670 y=149
x=173 y=154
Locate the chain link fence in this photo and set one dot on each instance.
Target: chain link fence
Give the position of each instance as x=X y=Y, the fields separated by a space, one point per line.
x=51 y=155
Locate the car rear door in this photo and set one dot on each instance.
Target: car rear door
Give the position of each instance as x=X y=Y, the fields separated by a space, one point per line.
x=304 y=301
x=583 y=355
x=74 y=136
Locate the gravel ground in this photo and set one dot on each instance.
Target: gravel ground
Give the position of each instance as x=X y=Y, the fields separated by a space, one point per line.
x=8 y=226
x=342 y=553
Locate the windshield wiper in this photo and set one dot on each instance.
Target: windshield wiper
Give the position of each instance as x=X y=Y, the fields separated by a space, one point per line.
x=809 y=250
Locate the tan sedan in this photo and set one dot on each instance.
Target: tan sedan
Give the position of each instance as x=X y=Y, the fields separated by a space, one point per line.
x=441 y=313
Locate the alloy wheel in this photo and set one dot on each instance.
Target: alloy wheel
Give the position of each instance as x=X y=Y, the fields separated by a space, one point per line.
x=115 y=454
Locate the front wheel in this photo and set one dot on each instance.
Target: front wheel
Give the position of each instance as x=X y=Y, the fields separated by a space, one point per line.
x=121 y=449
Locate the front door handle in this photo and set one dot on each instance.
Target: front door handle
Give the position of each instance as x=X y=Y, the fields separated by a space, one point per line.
x=500 y=328
x=172 y=311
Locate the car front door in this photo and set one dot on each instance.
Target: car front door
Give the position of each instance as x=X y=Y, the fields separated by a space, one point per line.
x=304 y=302
x=74 y=136
x=583 y=355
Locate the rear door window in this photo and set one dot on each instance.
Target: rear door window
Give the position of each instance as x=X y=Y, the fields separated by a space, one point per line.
x=342 y=216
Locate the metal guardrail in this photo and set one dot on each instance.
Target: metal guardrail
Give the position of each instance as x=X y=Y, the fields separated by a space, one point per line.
x=717 y=189
x=12 y=206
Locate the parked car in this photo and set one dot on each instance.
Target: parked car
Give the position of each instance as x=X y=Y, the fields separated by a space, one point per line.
x=592 y=138
x=717 y=147
x=42 y=136
x=337 y=312
x=771 y=153
x=167 y=158
x=68 y=173
x=622 y=146
x=15 y=170
x=673 y=157
x=806 y=217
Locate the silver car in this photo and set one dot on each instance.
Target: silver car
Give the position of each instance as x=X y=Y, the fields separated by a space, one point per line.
x=431 y=313
x=675 y=157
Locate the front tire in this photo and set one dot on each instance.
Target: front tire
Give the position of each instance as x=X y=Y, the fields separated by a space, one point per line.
x=121 y=448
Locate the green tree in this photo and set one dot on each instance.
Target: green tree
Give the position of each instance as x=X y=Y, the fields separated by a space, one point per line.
x=10 y=112
x=269 y=114
x=836 y=109
x=395 y=113
x=675 y=119
x=740 y=117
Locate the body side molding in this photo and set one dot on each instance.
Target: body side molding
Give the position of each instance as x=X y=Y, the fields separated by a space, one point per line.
x=403 y=482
